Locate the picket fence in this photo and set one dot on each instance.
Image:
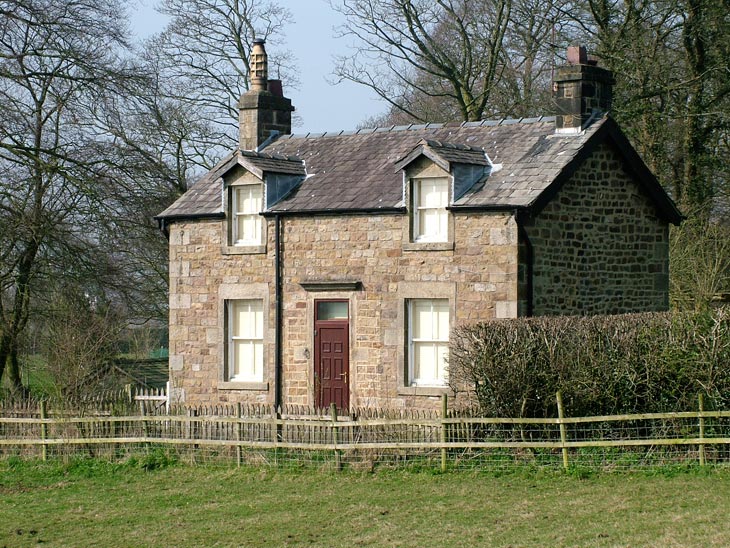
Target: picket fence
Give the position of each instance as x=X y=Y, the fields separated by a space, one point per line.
x=121 y=426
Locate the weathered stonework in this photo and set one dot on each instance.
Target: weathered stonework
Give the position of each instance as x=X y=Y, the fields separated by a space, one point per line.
x=478 y=276
x=599 y=246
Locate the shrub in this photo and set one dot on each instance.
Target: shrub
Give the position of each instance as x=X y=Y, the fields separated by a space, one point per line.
x=631 y=363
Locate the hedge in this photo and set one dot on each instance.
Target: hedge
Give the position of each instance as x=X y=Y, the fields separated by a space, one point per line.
x=631 y=363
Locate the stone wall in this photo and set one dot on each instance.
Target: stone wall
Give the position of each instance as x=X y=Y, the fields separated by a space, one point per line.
x=599 y=246
x=478 y=276
x=202 y=276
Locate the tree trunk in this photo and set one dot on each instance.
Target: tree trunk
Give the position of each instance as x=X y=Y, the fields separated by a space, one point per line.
x=4 y=353
x=16 y=382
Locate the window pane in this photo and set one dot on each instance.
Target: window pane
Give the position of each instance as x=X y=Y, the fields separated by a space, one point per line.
x=248 y=361
x=332 y=310
x=240 y=199
x=249 y=228
x=441 y=320
x=443 y=226
x=426 y=367
x=244 y=356
x=429 y=336
x=246 y=330
x=430 y=217
x=248 y=319
x=252 y=200
x=442 y=359
x=240 y=227
x=248 y=198
x=247 y=203
x=433 y=193
x=422 y=328
x=430 y=361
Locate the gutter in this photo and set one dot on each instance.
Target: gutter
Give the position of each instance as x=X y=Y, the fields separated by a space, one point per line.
x=190 y=216
x=488 y=207
x=305 y=212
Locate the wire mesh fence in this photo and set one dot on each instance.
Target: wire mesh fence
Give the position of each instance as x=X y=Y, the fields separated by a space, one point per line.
x=360 y=439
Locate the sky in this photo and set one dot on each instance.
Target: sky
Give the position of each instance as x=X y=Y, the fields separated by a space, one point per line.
x=321 y=105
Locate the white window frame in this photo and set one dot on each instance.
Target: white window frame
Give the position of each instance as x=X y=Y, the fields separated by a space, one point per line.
x=249 y=372
x=253 y=216
x=419 y=232
x=434 y=340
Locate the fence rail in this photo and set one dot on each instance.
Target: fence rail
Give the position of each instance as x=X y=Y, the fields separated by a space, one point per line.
x=447 y=438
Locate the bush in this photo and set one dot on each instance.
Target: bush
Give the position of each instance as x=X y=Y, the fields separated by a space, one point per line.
x=603 y=365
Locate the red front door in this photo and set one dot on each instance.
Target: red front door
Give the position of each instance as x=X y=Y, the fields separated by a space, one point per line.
x=332 y=354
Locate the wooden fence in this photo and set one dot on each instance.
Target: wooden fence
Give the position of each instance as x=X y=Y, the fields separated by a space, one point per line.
x=447 y=437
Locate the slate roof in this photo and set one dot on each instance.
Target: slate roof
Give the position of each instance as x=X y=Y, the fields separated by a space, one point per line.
x=357 y=171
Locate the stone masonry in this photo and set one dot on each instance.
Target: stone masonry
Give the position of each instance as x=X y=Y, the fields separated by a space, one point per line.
x=478 y=276
x=599 y=246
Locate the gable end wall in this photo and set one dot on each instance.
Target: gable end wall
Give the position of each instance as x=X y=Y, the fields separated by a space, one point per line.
x=599 y=246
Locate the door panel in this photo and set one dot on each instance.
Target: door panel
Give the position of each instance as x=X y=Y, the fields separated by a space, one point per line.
x=331 y=362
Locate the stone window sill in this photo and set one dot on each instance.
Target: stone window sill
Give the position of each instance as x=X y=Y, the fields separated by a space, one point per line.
x=424 y=391
x=258 y=386
x=243 y=249
x=428 y=246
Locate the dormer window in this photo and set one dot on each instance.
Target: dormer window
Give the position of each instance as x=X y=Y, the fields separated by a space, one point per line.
x=247 y=223
x=430 y=218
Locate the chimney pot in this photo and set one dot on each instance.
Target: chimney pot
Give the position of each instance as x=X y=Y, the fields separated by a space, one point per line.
x=276 y=88
x=577 y=55
x=259 y=66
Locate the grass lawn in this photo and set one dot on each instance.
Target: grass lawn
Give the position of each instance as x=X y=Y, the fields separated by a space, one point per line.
x=92 y=503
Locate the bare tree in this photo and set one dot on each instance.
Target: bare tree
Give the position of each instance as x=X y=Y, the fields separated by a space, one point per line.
x=700 y=271
x=201 y=63
x=416 y=54
x=535 y=38
x=57 y=57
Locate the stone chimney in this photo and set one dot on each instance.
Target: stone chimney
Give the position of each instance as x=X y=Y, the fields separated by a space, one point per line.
x=261 y=113
x=582 y=91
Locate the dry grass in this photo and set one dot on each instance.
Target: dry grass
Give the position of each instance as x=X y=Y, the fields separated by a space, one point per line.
x=98 y=504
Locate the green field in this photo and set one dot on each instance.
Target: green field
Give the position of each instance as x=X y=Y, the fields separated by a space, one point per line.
x=93 y=503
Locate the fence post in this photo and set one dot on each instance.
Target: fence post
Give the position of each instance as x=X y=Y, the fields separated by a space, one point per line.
x=44 y=430
x=239 y=452
x=144 y=424
x=702 y=429
x=444 y=437
x=563 y=433
x=335 y=436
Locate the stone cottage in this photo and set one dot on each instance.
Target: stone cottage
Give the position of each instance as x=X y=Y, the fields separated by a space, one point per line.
x=311 y=269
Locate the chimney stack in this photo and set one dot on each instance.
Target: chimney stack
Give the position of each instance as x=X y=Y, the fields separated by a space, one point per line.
x=582 y=90
x=261 y=113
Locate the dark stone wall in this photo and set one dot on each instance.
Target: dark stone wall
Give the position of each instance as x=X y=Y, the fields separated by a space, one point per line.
x=599 y=246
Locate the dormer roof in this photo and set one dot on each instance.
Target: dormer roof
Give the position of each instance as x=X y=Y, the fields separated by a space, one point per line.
x=203 y=199
x=259 y=163
x=444 y=154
